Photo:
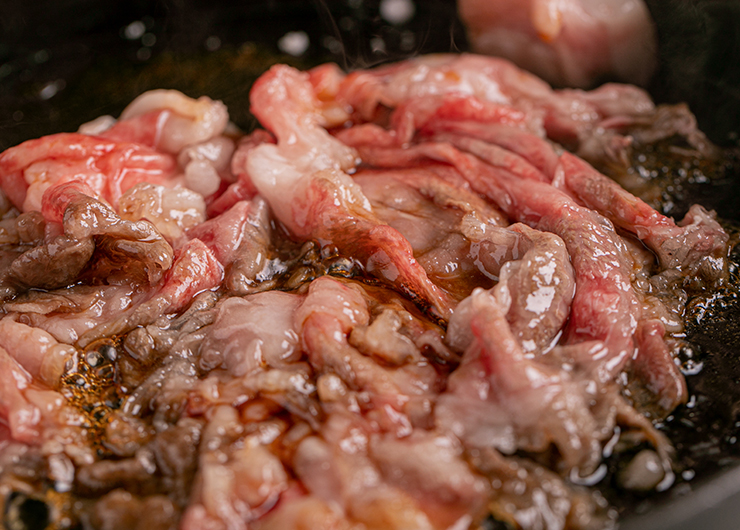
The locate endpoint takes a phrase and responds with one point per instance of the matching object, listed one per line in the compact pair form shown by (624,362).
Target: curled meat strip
(36,350)
(539,285)
(207,165)
(31,365)
(24,407)
(77,226)
(303,180)
(170,122)
(239,479)
(430,466)
(240,239)
(499,398)
(193,270)
(242,188)
(568,116)
(426,112)
(359,478)
(69,312)
(352,481)
(252,333)
(132,244)
(697,244)
(327,316)
(654,367)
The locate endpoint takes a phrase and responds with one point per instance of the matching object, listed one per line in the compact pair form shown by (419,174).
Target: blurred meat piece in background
(680,50)
(566,42)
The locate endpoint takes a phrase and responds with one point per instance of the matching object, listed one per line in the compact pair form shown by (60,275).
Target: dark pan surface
(66,62)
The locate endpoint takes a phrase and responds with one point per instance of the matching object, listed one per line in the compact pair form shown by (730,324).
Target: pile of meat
(407,303)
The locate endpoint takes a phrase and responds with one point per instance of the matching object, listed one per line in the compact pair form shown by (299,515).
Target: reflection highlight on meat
(410,302)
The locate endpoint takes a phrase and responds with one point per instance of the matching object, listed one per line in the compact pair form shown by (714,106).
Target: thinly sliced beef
(588,320)
(698,243)
(167,120)
(240,240)
(498,398)
(540,286)
(302,179)
(52,265)
(69,312)
(430,467)
(402,306)
(37,351)
(173,334)
(329,313)
(455,237)
(135,245)
(433,214)
(568,408)
(533,497)
(598,124)
(79,226)
(238,479)
(567,115)
(304,513)
(424,113)
(337,469)
(604,308)
(109,168)
(207,165)
(18,233)
(8,286)
(537,151)
(23,229)
(655,368)
(251,333)
(193,270)
(33,413)
(172,211)
(494,156)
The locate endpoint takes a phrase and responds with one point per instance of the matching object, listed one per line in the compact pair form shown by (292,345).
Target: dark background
(77,47)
